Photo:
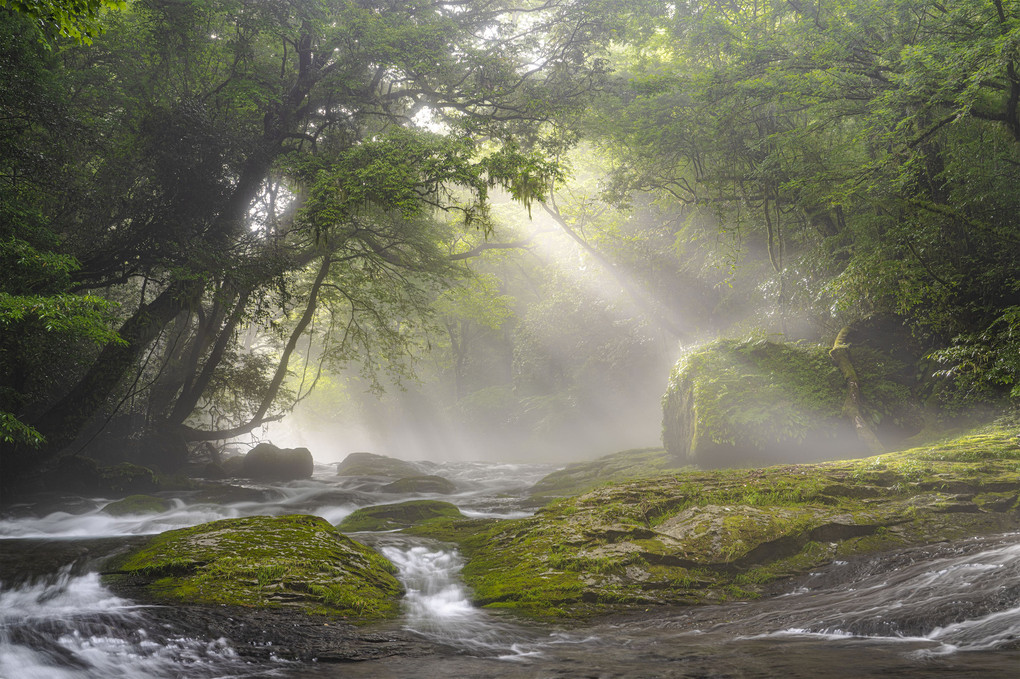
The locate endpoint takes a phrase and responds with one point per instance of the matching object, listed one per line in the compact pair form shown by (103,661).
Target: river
(949,610)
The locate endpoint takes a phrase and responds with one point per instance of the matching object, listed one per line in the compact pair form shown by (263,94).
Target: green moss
(400,515)
(696,536)
(266,561)
(138,504)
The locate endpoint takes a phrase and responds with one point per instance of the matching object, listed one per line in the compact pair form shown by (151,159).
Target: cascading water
(71,627)
(437,605)
(964,602)
(951,610)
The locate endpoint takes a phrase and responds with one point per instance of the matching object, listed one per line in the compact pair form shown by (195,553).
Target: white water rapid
(71,627)
(438,608)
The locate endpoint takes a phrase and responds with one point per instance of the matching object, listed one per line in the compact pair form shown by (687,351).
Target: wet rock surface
(265,634)
(421,484)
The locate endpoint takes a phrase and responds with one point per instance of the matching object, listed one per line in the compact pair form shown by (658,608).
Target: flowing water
(951,610)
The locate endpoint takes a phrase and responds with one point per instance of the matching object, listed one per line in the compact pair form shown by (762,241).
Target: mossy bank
(292,561)
(709,536)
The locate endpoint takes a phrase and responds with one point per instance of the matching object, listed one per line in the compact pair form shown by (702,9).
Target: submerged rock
(294,561)
(138,504)
(708,536)
(400,515)
(268,462)
(421,484)
(370,464)
(733,403)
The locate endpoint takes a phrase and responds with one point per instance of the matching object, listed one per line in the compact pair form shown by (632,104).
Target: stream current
(950,610)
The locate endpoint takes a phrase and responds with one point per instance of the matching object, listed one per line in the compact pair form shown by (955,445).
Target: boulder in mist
(737,403)
(271,463)
(370,464)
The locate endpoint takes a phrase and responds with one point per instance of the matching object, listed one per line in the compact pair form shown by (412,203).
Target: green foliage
(982,366)
(79,20)
(865,151)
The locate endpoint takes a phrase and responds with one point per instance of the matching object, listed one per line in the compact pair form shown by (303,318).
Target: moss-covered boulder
(138,504)
(370,464)
(421,484)
(738,403)
(623,466)
(709,536)
(400,515)
(272,463)
(292,561)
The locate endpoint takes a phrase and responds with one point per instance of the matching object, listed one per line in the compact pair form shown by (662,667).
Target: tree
(233,152)
(78,20)
(868,150)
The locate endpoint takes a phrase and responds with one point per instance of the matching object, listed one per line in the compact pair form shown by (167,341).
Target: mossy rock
(741,403)
(421,484)
(138,504)
(400,515)
(370,464)
(292,561)
(623,466)
(709,536)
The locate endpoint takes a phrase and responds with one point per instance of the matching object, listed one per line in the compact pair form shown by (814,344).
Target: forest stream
(952,609)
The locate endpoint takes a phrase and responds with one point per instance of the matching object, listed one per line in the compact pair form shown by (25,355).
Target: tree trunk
(840,354)
(259,417)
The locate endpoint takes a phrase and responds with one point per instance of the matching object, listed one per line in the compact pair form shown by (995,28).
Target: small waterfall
(71,627)
(438,608)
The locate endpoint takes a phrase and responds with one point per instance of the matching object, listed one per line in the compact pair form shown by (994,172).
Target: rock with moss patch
(288,561)
(708,536)
(138,504)
(370,464)
(734,403)
(272,463)
(400,515)
(421,484)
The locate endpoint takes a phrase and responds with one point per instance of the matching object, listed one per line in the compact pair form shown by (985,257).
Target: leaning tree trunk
(852,406)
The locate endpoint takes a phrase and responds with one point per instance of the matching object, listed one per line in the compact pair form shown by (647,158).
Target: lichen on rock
(292,561)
